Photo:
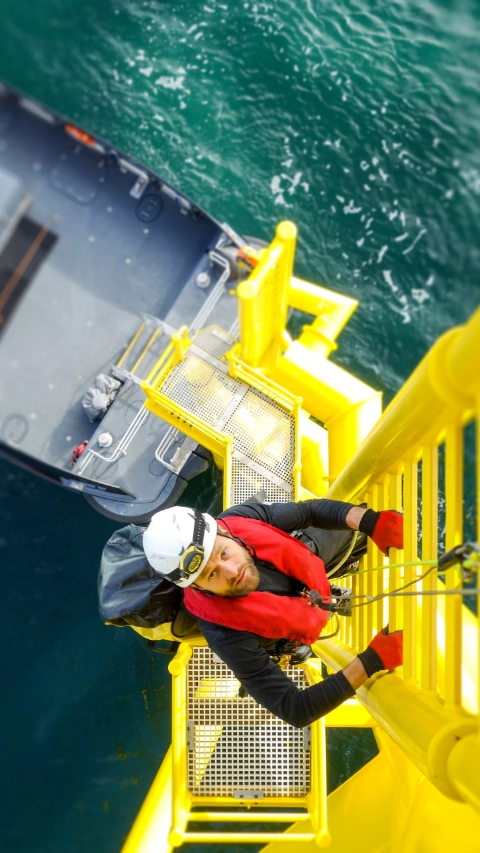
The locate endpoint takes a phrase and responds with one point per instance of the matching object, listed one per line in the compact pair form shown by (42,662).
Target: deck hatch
(25,252)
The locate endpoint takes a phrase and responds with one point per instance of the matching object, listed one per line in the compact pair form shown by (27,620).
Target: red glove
(384,528)
(384,652)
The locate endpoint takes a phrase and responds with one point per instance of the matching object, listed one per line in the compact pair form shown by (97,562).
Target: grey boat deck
(116,256)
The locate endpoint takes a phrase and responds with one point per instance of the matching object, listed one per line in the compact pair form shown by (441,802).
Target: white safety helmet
(178,543)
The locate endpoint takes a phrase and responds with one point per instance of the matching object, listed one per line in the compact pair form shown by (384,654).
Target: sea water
(358,120)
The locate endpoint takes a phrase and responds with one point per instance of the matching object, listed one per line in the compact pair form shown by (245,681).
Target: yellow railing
(218,441)
(413,460)
(184,803)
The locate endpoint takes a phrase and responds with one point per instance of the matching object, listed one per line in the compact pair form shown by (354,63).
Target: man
(251,582)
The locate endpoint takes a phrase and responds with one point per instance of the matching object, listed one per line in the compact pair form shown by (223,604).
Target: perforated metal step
(236,747)
(263,433)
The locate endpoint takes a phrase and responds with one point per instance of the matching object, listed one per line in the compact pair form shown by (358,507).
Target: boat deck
(84,252)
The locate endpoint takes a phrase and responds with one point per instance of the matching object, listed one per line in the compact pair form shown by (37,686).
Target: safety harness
(300,619)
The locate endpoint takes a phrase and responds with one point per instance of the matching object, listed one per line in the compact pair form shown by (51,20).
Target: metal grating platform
(263,432)
(236,747)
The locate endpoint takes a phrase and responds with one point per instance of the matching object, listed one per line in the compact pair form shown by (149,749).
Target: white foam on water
(387,274)
(417,238)
(420,295)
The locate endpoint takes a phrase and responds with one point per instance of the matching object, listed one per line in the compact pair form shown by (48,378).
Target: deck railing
(263,299)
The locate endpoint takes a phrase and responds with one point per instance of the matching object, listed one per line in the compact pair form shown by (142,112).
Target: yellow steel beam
(149,833)
(429,552)
(453,579)
(418,722)
(418,409)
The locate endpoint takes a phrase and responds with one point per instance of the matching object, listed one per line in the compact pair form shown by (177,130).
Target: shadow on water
(86,708)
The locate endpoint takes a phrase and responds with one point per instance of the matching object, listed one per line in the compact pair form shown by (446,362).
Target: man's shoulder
(249,509)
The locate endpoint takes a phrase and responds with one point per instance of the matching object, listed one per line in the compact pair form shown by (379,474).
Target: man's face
(229,571)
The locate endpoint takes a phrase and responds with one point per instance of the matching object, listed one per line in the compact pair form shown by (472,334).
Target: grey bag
(130,592)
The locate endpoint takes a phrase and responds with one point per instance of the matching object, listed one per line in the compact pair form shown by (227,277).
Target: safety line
(399,594)
(394,566)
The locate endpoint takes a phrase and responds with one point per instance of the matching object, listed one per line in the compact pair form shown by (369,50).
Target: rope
(400,591)
(395,566)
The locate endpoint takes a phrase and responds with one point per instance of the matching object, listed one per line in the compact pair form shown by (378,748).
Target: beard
(250,581)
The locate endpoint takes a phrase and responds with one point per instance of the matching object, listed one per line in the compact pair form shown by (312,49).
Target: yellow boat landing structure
(251,403)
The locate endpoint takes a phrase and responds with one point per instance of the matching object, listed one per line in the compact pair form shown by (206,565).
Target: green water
(359,121)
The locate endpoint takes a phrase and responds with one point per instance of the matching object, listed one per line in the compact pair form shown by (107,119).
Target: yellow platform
(422,792)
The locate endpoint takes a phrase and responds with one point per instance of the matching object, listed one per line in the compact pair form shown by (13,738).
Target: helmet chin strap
(240,541)
(192,556)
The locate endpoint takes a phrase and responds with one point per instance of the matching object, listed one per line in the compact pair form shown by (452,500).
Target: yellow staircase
(422,792)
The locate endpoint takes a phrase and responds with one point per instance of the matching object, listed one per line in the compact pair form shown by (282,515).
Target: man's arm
(385,527)
(270,687)
(290,516)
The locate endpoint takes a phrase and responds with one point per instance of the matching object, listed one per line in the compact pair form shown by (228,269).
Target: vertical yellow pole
(297,466)
(370,582)
(246,314)
(318,793)
(227,472)
(429,552)
(478,536)
(395,609)
(380,617)
(180,342)
(361,613)
(410,500)
(454,536)
(286,234)
(180,797)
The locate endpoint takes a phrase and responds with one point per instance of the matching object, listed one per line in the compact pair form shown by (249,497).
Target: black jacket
(245,654)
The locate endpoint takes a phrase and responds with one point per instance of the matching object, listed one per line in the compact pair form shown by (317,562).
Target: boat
(101,261)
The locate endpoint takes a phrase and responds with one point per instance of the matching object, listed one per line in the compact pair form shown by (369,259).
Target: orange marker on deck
(79,134)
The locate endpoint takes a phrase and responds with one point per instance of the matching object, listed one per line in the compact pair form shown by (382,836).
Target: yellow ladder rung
(249,817)
(131,344)
(240,837)
(145,350)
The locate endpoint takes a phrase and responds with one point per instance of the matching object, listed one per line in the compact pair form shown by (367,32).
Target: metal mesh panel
(200,388)
(263,433)
(214,341)
(266,304)
(246,482)
(236,747)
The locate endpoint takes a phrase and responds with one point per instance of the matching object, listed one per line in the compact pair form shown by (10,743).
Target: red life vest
(264,613)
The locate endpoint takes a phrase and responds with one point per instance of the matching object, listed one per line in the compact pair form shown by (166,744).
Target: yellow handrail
(431,711)
(263,299)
